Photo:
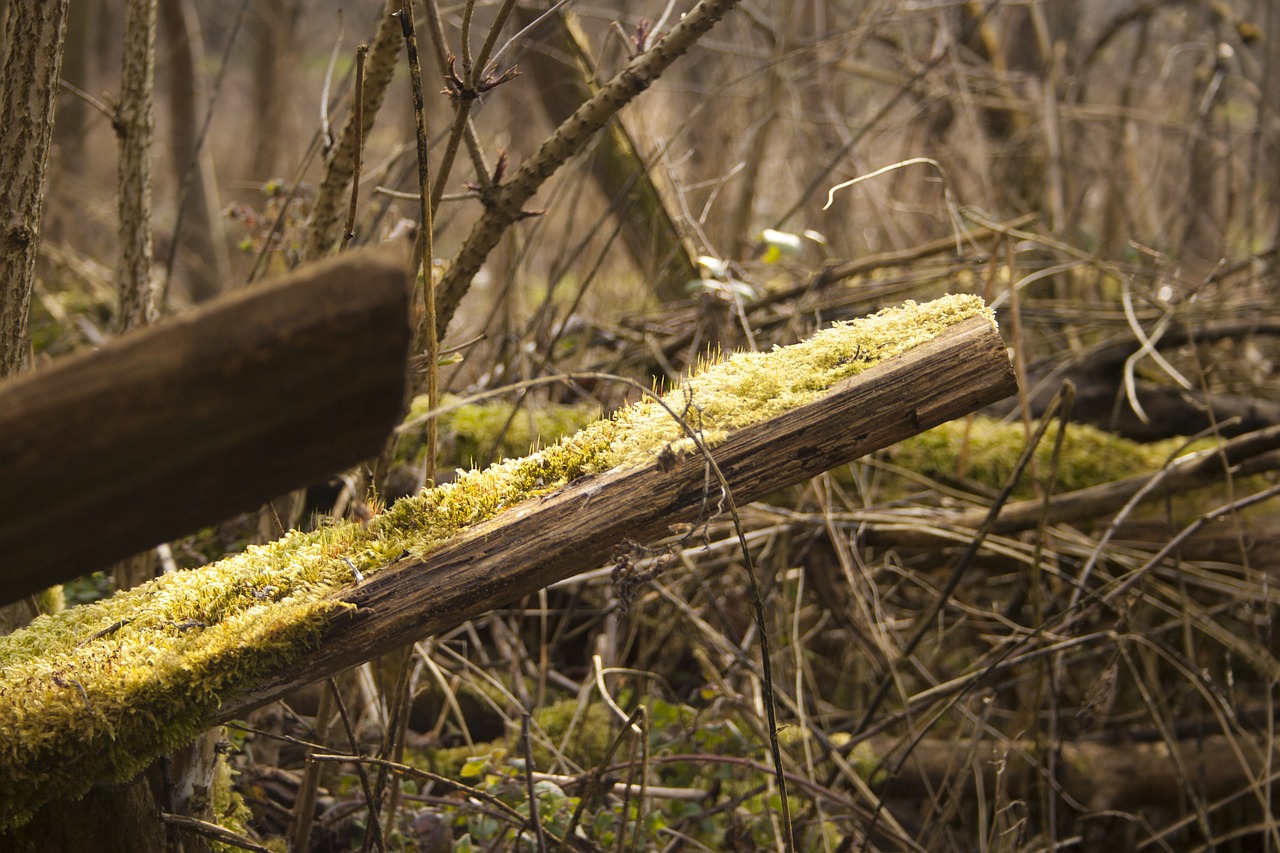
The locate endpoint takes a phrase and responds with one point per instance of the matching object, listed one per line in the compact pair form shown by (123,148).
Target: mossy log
(214,412)
(576,528)
(92,694)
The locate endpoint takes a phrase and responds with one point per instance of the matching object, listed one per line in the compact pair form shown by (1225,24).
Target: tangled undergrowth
(1091,665)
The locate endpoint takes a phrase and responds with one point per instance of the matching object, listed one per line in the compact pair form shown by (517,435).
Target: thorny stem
(429,337)
(468,70)
(486,49)
(349,230)
(568,140)
(440,43)
(462,115)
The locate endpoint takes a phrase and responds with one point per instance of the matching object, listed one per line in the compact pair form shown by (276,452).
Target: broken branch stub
(187,422)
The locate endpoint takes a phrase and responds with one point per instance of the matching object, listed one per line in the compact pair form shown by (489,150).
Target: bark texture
(575,529)
(33,37)
(326,216)
(135,124)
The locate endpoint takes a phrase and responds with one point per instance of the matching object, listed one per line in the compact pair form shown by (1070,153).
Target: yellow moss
(752,387)
(990,449)
(498,428)
(229,807)
(94,693)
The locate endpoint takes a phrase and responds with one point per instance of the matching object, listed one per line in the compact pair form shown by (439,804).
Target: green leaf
(474,766)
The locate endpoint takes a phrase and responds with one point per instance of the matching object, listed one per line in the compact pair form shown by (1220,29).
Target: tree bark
(487,564)
(135,126)
(33,38)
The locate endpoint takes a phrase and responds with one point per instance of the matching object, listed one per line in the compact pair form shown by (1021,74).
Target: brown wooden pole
(108,453)
(547,539)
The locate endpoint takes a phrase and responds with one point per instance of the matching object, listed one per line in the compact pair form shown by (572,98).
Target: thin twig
(325,129)
(348,230)
(464,40)
(573,133)
(305,802)
(88,99)
(925,620)
(428,332)
(375,821)
(535,818)
(211,831)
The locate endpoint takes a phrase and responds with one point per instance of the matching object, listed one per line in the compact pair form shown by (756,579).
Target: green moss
(592,734)
(989,449)
(496,428)
(230,809)
(94,693)
(752,387)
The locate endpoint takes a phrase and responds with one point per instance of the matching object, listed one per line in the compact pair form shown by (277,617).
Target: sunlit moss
(232,811)
(95,693)
(752,387)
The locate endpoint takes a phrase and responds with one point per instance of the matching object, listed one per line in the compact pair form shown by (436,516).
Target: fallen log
(187,422)
(94,694)
(1100,777)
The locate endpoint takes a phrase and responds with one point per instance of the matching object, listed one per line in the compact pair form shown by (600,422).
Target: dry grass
(1081,685)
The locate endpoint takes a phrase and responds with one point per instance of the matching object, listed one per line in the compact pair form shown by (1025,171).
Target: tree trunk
(202,250)
(275,25)
(135,125)
(33,36)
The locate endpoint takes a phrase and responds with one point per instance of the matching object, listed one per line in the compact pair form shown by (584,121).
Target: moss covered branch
(94,693)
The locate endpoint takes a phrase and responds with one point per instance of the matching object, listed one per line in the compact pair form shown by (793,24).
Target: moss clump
(989,449)
(497,429)
(752,387)
(95,693)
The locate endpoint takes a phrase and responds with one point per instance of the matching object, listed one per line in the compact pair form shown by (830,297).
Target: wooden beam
(214,412)
(547,539)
